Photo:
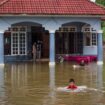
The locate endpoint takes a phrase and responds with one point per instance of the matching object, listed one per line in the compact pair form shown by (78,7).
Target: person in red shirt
(72,84)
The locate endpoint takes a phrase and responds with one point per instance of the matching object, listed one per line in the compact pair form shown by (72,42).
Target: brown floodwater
(36,83)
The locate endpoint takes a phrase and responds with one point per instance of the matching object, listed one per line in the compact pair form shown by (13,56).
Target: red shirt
(72,87)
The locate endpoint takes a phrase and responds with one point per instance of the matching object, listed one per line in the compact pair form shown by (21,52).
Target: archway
(19,38)
(75,38)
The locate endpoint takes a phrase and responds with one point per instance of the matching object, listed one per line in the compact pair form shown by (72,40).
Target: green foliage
(102,2)
(104,34)
(103,28)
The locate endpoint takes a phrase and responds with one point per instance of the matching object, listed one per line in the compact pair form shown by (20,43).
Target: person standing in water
(34,51)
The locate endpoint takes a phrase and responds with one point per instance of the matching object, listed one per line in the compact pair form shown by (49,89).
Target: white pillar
(52,48)
(99,48)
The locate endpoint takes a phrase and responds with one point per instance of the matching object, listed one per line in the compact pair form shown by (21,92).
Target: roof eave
(53,15)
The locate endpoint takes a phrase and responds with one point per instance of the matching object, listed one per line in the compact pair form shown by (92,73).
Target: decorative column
(1,48)
(52,48)
(99,48)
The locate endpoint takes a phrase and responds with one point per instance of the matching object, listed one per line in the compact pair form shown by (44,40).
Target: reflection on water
(36,83)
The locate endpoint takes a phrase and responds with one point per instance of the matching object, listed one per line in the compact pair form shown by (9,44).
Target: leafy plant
(102,2)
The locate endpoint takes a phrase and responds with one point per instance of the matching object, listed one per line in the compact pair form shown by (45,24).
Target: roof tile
(50,7)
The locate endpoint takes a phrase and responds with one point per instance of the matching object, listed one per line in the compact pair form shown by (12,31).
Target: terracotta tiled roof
(50,7)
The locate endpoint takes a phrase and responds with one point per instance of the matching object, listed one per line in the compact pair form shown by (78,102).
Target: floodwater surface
(36,83)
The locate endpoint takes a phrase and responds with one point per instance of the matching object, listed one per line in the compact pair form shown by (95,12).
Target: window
(14,43)
(7,42)
(90,39)
(68,29)
(87,39)
(18,42)
(23,29)
(87,29)
(72,29)
(65,29)
(15,29)
(22,43)
(94,39)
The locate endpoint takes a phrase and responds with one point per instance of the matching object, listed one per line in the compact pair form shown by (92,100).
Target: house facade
(66,27)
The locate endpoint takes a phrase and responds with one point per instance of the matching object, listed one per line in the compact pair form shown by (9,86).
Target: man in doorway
(39,45)
(34,51)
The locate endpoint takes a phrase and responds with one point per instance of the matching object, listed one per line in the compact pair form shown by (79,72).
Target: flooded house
(63,27)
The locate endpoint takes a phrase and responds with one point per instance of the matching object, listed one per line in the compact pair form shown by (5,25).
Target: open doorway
(41,37)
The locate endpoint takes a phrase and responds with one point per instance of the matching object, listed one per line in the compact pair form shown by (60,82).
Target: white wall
(90,50)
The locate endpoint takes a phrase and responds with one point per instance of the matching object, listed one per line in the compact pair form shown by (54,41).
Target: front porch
(67,38)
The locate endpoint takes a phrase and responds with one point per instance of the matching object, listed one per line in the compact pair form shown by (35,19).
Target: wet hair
(71,80)
(82,63)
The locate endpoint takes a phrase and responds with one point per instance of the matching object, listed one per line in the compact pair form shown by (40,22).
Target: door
(75,43)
